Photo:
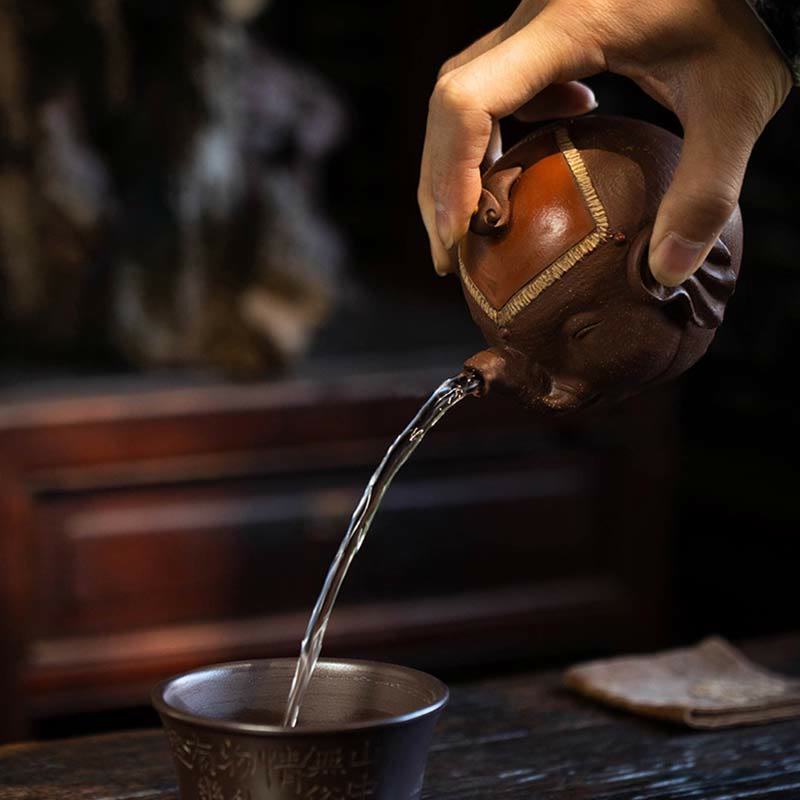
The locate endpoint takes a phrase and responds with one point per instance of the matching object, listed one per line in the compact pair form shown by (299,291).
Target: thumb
(703,195)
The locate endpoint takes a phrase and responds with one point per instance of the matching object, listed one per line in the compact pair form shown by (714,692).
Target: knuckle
(580,38)
(449,95)
(720,202)
(713,205)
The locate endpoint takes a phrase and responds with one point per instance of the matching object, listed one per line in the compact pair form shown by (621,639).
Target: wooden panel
(463,630)
(128,559)
(161,529)
(15,604)
(47,432)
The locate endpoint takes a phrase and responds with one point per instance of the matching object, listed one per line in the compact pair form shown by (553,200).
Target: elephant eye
(584,328)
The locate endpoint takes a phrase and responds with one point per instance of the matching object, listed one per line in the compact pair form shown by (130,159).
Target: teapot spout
(491,368)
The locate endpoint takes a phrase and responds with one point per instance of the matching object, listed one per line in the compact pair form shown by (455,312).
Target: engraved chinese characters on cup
(313,772)
(304,769)
(368,739)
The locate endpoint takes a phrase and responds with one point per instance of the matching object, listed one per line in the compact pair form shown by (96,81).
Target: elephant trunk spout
(490,367)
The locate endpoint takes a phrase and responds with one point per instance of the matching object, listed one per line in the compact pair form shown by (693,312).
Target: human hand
(710,61)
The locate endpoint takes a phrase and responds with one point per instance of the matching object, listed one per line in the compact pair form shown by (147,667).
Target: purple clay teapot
(554,267)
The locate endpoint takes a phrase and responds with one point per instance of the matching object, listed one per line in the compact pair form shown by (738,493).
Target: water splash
(451,392)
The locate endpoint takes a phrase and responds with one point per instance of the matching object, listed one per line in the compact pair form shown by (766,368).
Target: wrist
(781,20)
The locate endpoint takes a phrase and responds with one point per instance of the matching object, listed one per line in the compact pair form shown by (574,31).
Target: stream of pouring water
(451,392)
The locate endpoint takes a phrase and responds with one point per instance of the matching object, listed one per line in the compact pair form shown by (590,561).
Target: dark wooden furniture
(149,525)
(517,737)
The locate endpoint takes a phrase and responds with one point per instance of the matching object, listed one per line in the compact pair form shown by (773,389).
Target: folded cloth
(710,685)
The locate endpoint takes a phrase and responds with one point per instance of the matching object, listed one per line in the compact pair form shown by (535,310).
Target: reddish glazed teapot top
(554,267)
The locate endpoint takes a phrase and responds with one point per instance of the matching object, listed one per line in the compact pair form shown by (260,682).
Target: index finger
(491,86)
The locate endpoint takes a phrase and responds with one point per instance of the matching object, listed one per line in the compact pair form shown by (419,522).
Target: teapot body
(554,268)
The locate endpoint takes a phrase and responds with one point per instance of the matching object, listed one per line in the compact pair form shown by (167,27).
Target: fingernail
(443,226)
(591,100)
(675,259)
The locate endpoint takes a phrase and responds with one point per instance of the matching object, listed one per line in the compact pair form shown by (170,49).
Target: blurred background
(217,309)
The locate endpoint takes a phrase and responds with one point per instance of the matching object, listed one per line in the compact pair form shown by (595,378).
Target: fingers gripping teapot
(554,267)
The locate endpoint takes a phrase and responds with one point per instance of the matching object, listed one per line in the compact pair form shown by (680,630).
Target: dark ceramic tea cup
(364,731)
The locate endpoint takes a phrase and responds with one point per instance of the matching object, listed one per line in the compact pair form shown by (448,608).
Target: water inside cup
(342,693)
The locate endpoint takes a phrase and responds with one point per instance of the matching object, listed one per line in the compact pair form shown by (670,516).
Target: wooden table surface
(517,737)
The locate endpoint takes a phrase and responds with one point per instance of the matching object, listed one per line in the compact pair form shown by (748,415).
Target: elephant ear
(700,299)
(494,207)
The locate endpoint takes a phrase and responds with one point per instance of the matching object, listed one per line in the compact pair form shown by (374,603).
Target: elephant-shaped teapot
(554,267)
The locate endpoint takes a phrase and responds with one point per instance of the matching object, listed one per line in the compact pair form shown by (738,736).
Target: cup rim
(157,698)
